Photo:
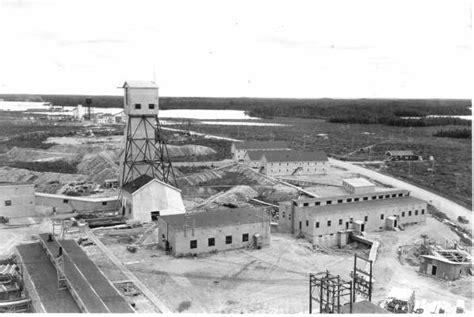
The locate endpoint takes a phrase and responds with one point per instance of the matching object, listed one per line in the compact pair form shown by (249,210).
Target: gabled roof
(399,153)
(216,218)
(137,183)
(139,84)
(255,155)
(256,145)
(295,156)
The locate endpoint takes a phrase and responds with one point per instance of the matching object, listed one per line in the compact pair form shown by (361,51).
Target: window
(340,221)
(409,212)
(331,234)
(366,198)
(138,106)
(307,223)
(381,216)
(317,203)
(366,218)
(193,244)
(387,196)
(228,239)
(289,216)
(339,201)
(245,237)
(416,212)
(328,202)
(400,195)
(381,197)
(394,195)
(329,223)
(407,194)
(306,204)
(151,106)
(374,197)
(8,202)
(211,242)
(295,203)
(283,214)
(403,214)
(317,224)
(351,220)
(422,211)
(349,200)
(356,199)
(104,203)
(65,201)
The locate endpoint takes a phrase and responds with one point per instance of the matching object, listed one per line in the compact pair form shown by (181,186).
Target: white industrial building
(69,204)
(239,149)
(146,198)
(283,163)
(17,199)
(328,218)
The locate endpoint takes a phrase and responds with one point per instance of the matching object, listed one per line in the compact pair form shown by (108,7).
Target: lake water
(200,114)
(440,116)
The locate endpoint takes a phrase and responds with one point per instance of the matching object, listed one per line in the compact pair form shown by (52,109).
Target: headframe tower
(145,151)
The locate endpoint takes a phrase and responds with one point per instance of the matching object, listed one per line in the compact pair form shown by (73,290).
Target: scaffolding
(330,291)
(362,278)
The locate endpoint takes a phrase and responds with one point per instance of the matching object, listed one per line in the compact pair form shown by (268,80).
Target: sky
(284,49)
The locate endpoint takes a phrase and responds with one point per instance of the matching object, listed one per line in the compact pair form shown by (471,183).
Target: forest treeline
(384,111)
(454,133)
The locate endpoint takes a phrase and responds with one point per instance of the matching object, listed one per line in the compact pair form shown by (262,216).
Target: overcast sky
(296,49)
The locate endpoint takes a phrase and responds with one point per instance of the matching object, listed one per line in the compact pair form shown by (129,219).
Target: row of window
(301,163)
(193,244)
(366,218)
(150,106)
(356,199)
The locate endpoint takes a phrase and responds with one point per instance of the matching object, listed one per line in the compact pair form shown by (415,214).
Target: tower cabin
(141,98)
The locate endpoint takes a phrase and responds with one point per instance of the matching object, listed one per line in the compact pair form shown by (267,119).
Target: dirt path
(390,272)
(450,208)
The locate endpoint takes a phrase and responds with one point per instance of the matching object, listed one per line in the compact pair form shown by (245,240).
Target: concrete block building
(283,163)
(146,198)
(327,219)
(17,199)
(216,230)
(239,149)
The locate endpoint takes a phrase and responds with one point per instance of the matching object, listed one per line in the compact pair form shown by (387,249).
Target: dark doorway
(300,225)
(155,215)
(395,224)
(434,268)
(347,224)
(362,227)
(123,210)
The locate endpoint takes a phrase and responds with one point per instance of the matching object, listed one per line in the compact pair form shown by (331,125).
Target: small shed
(441,267)
(402,156)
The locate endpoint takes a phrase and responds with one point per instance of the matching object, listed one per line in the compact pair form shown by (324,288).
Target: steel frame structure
(152,153)
(328,290)
(362,279)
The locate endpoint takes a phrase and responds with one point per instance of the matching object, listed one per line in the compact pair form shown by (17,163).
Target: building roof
(363,307)
(256,145)
(216,218)
(339,193)
(295,156)
(255,155)
(399,153)
(78,198)
(15,183)
(358,182)
(368,205)
(137,183)
(444,260)
(139,84)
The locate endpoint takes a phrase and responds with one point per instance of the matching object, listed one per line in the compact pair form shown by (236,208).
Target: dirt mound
(31,155)
(278,193)
(189,150)
(99,166)
(45,181)
(236,194)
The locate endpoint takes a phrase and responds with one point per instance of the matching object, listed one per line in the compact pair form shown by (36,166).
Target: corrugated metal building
(239,149)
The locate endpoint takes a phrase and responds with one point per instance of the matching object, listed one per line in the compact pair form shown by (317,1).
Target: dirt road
(451,209)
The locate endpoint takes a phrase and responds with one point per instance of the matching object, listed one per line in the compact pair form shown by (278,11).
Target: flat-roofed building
(17,199)
(216,230)
(283,163)
(239,149)
(358,185)
(322,219)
